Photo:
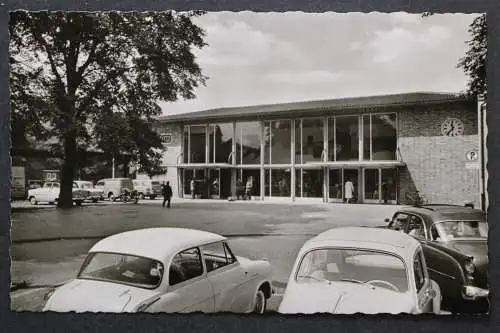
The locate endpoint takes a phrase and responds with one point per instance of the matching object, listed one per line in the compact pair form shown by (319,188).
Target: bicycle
(415,198)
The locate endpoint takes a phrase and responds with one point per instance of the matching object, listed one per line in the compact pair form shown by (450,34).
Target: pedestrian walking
(167,194)
(349,190)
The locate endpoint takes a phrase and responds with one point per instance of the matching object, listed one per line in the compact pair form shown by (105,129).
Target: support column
(325,159)
(293,154)
(234,176)
(262,156)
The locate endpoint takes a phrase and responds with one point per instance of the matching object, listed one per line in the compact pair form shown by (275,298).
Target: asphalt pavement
(49,244)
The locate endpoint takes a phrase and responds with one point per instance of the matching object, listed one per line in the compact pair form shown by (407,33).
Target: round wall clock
(452,127)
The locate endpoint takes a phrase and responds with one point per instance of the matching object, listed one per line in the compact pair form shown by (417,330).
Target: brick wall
(436,165)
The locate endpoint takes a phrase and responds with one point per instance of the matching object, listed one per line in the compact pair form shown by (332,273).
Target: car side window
(216,256)
(230,256)
(186,265)
(419,270)
(56,185)
(416,227)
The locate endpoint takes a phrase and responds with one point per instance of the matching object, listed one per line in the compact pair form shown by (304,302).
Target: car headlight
(470,268)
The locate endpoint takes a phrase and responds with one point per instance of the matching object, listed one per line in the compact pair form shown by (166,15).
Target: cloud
(305,78)
(258,58)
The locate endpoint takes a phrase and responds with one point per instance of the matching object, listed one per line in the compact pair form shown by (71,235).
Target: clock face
(452,127)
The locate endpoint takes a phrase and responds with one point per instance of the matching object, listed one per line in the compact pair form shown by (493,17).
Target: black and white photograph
(248,162)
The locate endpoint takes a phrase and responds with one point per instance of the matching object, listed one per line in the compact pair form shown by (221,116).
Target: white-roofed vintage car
(165,270)
(360,270)
(49,193)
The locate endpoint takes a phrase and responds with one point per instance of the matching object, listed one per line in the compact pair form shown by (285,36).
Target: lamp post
(113,167)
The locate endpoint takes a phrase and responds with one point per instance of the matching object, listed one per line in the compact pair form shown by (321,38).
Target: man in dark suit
(167,194)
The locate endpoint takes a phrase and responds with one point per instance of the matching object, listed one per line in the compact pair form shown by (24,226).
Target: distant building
(388,146)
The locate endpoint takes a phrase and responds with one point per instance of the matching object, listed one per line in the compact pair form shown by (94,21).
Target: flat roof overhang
(311,165)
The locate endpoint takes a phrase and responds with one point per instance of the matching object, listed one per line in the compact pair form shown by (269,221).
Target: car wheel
(78,202)
(33,201)
(141,196)
(95,200)
(111,197)
(152,197)
(260,302)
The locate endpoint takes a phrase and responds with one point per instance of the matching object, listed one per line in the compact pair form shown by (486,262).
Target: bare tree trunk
(68,171)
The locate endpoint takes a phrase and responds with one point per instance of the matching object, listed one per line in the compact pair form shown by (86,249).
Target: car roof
(444,212)
(366,238)
(155,243)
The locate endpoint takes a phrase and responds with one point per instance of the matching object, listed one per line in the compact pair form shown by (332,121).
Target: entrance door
(352,175)
(337,180)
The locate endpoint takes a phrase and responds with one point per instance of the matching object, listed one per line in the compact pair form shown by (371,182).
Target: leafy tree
(92,79)
(473,62)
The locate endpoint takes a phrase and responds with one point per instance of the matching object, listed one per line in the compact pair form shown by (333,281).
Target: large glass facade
(309,183)
(278,136)
(277,183)
(308,140)
(389,185)
(347,138)
(220,142)
(197,143)
(335,186)
(248,182)
(372,184)
(379,137)
(248,137)
(384,137)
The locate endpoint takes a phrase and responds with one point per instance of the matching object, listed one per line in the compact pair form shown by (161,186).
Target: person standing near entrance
(385,194)
(167,194)
(349,190)
(191,186)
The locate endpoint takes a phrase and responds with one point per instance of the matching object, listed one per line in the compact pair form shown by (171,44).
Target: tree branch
(41,40)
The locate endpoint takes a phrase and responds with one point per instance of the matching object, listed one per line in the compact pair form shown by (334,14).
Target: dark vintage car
(455,244)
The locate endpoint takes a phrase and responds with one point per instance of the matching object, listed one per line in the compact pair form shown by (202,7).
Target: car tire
(78,202)
(260,302)
(152,197)
(33,201)
(94,200)
(111,197)
(141,196)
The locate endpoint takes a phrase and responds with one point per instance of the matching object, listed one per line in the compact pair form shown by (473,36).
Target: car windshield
(447,230)
(86,185)
(353,266)
(122,268)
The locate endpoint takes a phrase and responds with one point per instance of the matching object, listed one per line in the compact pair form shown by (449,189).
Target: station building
(388,146)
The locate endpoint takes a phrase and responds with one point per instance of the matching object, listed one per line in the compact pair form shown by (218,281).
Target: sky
(265,58)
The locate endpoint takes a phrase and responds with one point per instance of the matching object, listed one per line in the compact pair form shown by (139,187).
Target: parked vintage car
(165,270)
(49,193)
(360,270)
(147,188)
(455,244)
(95,194)
(114,187)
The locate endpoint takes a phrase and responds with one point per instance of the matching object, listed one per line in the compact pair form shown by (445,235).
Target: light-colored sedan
(49,193)
(361,270)
(165,270)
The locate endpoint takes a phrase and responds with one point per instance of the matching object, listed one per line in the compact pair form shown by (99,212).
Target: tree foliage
(473,63)
(93,80)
